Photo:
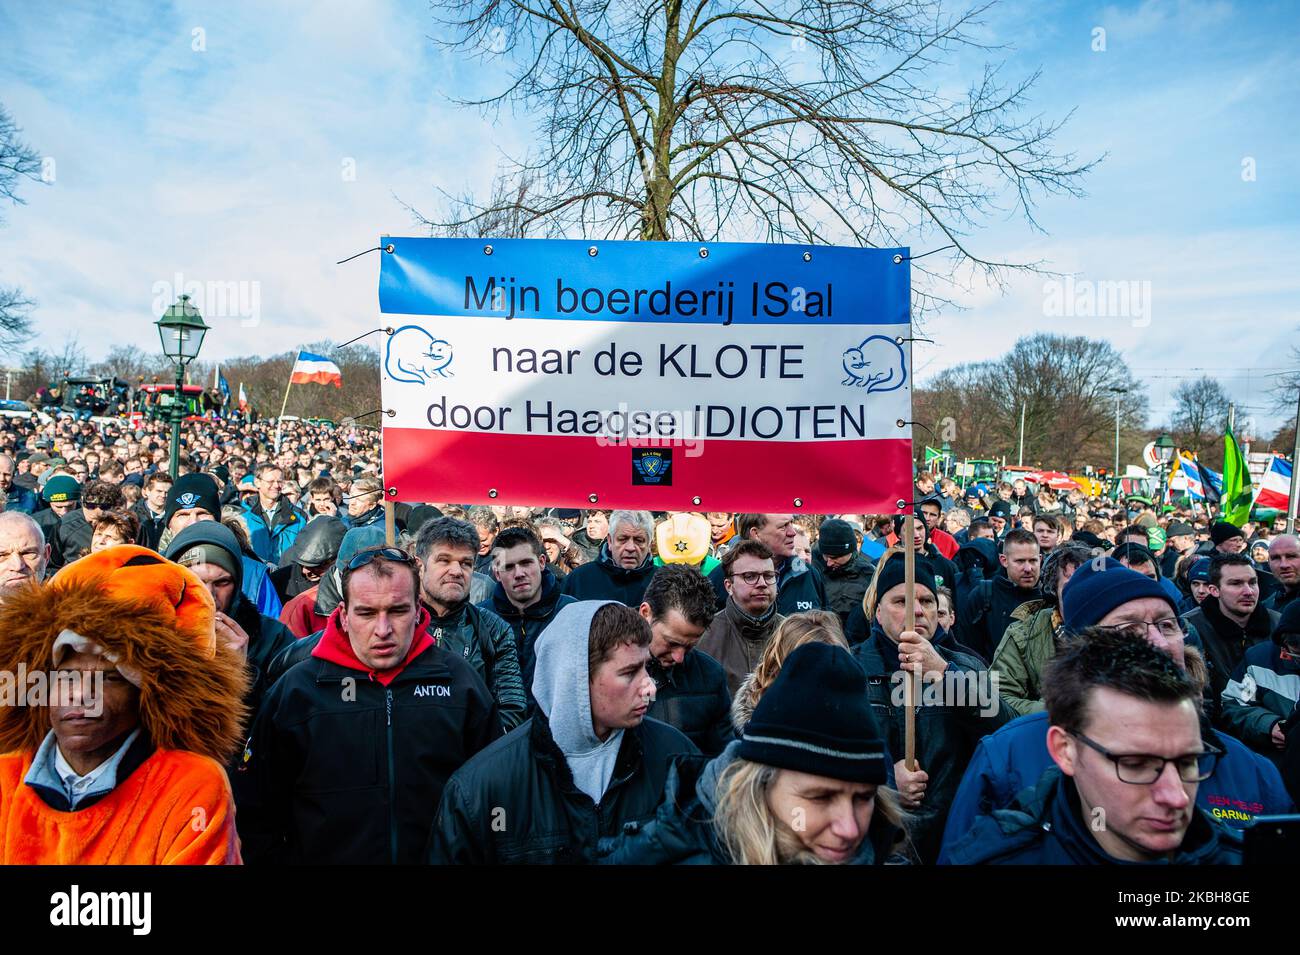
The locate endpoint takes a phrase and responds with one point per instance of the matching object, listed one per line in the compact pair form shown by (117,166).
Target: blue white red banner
(666,375)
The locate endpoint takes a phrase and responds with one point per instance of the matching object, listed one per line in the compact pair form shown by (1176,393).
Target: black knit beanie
(816,718)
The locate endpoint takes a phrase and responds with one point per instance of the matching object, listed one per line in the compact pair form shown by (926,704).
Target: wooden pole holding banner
(911,689)
(390,523)
(279,423)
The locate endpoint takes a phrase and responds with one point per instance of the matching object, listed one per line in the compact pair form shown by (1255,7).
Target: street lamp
(181,329)
(1118,391)
(1164,447)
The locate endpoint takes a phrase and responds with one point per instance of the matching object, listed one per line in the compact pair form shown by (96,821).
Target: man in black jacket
(691,686)
(446,548)
(623,569)
(527,595)
(152,509)
(798,586)
(1284,562)
(353,746)
(212,552)
(959,703)
(984,610)
(845,571)
(585,765)
(1229,621)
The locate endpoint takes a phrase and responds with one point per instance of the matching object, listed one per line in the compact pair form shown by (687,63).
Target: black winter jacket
(485,642)
(693,697)
(603,579)
(529,623)
(845,585)
(984,613)
(1225,643)
(351,772)
(516,802)
(946,736)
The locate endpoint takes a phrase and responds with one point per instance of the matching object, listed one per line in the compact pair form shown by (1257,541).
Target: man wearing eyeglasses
(738,635)
(1103,593)
(1125,738)
(799,586)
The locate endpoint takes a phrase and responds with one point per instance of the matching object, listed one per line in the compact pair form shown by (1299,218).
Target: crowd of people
(252,646)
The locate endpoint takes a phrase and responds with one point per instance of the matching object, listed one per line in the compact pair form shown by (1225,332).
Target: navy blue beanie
(1200,570)
(816,718)
(1099,586)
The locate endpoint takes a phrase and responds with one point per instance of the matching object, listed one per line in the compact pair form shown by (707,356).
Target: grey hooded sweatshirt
(561,685)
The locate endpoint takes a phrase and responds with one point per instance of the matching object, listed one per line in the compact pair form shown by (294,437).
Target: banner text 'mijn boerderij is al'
(655,375)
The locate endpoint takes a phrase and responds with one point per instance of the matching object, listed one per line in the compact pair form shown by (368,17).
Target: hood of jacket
(192,687)
(538,610)
(335,647)
(319,541)
(982,552)
(561,686)
(216,535)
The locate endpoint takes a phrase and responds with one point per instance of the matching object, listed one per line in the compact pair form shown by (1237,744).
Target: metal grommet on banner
(696,500)
(898,259)
(900,504)
(390,248)
(798,502)
(592,498)
(807,256)
(492,492)
(392,492)
(391,412)
(487,250)
(901,423)
(591,250)
(704,253)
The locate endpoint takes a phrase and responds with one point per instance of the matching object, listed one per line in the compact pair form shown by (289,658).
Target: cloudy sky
(258,143)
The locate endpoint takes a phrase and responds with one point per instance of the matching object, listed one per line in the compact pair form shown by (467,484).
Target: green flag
(931,455)
(1236,483)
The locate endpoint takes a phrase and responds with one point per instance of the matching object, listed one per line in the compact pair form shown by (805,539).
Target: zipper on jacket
(392,780)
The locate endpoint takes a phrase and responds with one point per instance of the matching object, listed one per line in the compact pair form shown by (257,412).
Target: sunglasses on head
(361,558)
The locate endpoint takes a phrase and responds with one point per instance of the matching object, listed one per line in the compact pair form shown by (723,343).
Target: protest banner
(664,375)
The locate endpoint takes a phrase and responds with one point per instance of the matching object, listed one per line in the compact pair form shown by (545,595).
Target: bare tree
(18,161)
(1062,383)
(806,120)
(1200,413)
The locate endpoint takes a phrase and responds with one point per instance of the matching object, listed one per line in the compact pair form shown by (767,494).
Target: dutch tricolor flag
(315,369)
(1275,487)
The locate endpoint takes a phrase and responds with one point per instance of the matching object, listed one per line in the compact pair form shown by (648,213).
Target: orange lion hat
(153,619)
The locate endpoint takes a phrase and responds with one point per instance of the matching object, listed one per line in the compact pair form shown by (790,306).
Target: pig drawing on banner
(415,356)
(877,364)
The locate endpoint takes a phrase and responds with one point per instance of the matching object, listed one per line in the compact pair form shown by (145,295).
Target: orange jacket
(175,809)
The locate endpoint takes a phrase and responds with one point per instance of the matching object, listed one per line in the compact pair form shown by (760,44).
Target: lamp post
(181,329)
(1165,455)
(1115,476)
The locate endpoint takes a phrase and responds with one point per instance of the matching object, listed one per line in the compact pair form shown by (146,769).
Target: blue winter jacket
(1044,826)
(1011,759)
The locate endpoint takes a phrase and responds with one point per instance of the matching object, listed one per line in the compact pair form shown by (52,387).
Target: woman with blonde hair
(812,626)
(805,783)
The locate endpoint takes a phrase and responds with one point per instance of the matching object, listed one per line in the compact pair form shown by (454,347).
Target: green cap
(61,488)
